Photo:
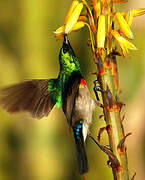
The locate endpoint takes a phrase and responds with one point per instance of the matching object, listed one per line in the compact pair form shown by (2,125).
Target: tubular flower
(78,25)
(71,9)
(120,1)
(124,44)
(138,12)
(73,18)
(71,21)
(132,13)
(101,32)
(129,18)
(124,27)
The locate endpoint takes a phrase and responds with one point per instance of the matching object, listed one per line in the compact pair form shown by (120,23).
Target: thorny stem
(115,132)
(108,83)
(112,108)
(104,35)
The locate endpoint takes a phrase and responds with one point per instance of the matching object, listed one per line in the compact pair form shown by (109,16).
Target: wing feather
(70,94)
(32,96)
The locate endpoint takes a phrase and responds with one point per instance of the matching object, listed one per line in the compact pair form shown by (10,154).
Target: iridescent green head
(67,58)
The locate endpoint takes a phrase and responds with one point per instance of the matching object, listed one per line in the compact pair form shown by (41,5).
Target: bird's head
(67,57)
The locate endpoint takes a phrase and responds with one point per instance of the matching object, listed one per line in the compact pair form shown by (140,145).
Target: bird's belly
(84,107)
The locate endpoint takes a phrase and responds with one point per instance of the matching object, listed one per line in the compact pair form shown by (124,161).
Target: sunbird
(69,91)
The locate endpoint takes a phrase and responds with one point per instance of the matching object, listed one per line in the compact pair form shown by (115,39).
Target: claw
(95,90)
(113,161)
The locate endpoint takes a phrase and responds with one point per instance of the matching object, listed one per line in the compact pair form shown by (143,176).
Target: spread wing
(70,94)
(32,96)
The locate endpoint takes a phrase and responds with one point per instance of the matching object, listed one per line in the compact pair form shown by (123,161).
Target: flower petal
(101,32)
(78,25)
(60,30)
(129,18)
(71,9)
(73,18)
(123,43)
(124,27)
(82,18)
(138,12)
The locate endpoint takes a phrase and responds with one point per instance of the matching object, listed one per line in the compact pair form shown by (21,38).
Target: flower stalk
(107,42)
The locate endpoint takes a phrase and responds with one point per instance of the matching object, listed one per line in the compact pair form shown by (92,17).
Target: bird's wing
(32,96)
(70,94)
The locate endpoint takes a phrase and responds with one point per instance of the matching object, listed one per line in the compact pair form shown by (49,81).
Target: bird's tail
(80,146)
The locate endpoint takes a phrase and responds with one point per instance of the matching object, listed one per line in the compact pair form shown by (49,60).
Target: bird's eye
(65,50)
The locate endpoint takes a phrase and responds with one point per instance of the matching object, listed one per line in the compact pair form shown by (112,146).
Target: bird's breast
(84,104)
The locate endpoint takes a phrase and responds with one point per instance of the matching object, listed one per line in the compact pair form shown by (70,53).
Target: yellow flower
(73,18)
(101,31)
(120,1)
(133,13)
(124,27)
(129,18)
(72,22)
(78,25)
(71,9)
(138,12)
(124,44)
(60,30)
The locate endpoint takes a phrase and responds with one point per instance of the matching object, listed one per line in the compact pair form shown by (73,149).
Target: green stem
(115,130)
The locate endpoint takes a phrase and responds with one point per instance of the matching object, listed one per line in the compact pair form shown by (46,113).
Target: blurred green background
(44,149)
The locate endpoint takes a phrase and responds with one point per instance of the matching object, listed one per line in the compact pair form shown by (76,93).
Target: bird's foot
(97,89)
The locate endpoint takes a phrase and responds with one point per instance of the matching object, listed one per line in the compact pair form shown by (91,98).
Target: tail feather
(80,146)
(32,96)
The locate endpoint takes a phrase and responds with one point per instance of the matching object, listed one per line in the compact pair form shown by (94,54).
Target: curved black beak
(65,41)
